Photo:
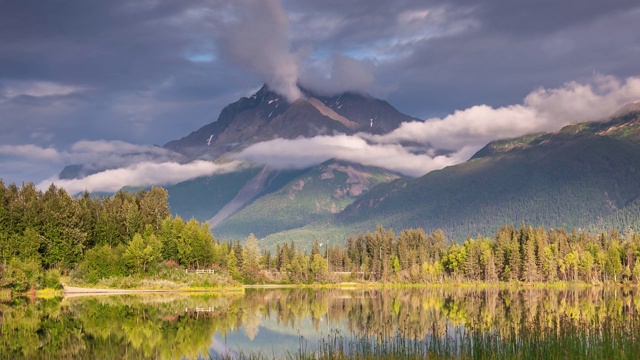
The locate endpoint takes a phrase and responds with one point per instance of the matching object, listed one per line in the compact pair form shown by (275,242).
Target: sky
(102,82)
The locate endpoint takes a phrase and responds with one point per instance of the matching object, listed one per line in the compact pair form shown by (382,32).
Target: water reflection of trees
(112,327)
(183,326)
(416,313)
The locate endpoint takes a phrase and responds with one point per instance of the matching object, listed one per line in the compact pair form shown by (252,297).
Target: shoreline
(77,291)
(74,291)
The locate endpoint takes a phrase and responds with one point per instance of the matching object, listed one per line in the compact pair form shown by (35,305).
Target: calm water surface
(275,322)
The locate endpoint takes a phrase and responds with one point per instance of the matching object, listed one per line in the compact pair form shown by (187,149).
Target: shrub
(99,263)
(22,275)
(52,279)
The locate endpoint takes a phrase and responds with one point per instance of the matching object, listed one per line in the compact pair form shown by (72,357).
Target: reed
(608,340)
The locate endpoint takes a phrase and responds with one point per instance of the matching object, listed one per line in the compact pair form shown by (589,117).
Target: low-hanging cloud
(112,165)
(141,174)
(307,152)
(413,149)
(95,154)
(38,89)
(103,154)
(542,110)
(458,135)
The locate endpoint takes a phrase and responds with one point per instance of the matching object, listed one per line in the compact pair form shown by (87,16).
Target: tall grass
(609,340)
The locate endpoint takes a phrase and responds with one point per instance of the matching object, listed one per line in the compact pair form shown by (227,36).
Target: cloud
(90,150)
(307,152)
(340,74)
(155,70)
(458,135)
(100,155)
(542,110)
(98,148)
(255,35)
(39,89)
(31,152)
(141,174)
(94,155)
(111,165)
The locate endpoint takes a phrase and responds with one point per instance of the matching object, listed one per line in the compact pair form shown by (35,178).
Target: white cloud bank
(459,134)
(306,152)
(115,164)
(141,174)
(93,154)
(542,110)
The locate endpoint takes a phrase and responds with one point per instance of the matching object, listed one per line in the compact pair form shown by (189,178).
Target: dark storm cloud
(130,62)
(436,56)
(507,65)
(531,18)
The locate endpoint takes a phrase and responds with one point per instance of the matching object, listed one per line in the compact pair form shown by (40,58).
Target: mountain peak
(628,109)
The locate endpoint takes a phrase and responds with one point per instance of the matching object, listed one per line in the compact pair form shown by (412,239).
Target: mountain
(586,176)
(266,116)
(252,192)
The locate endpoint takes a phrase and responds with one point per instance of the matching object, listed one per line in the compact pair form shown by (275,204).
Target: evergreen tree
(251,259)
(528,248)
(232,264)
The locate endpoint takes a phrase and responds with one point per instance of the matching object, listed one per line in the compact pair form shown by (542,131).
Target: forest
(132,240)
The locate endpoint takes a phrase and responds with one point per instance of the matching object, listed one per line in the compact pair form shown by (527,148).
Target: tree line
(523,253)
(47,234)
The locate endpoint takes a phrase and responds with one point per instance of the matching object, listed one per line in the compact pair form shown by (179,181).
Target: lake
(595,322)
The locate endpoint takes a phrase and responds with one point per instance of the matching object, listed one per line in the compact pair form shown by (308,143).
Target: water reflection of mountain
(272,321)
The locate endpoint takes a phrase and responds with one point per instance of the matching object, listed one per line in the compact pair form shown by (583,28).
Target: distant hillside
(584,176)
(315,195)
(201,197)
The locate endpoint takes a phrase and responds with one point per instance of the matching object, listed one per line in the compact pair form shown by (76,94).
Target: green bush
(100,263)
(52,279)
(22,275)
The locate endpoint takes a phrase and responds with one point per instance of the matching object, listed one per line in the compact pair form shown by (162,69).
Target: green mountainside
(314,196)
(585,176)
(201,197)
